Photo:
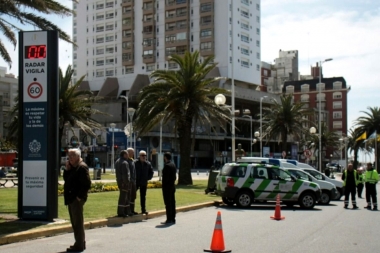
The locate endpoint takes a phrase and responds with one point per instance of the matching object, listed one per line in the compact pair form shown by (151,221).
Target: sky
(346,30)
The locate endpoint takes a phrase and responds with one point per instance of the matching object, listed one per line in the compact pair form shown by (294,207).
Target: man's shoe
(168,222)
(368,207)
(374,209)
(135,213)
(84,245)
(144,212)
(355,207)
(345,206)
(74,249)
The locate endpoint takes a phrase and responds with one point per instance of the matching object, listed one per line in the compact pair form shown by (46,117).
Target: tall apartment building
(124,40)
(285,68)
(120,42)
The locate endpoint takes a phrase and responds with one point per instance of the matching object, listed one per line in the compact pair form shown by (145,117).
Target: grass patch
(99,205)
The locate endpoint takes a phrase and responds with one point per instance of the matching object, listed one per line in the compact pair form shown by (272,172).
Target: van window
(260,172)
(276,174)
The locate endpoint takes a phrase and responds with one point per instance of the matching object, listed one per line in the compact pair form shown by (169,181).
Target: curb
(112,221)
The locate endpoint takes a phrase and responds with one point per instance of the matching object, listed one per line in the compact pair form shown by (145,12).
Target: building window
(99,51)
(99,62)
(109,38)
(337,85)
(305,88)
(109,72)
(320,86)
(109,4)
(305,98)
(172,65)
(244,13)
(258,7)
(129,70)
(150,67)
(258,55)
(246,2)
(109,15)
(258,19)
(99,17)
(100,28)
(337,115)
(206,46)
(127,57)
(206,33)
(244,38)
(99,73)
(99,6)
(148,42)
(148,53)
(258,43)
(127,33)
(337,124)
(290,89)
(109,50)
(244,50)
(206,20)
(337,95)
(244,63)
(337,105)
(258,31)
(206,7)
(244,25)
(258,67)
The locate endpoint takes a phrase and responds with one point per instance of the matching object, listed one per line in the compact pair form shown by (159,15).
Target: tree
(74,107)
(27,12)
(181,96)
(370,123)
(355,145)
(283,119)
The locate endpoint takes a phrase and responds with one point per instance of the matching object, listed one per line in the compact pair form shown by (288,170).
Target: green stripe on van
(296,186)
(261,187)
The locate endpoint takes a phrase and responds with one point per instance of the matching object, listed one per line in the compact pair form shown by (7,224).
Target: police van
(242,183)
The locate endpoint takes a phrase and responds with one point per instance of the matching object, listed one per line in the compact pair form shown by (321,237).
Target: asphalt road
(324,229)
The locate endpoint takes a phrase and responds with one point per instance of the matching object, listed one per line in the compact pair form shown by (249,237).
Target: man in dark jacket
(77,183)
(132,188)
(169,175)
(144,172)
(123,179)
(350,180)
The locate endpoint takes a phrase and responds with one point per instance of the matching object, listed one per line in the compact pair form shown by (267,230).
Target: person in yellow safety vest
(360,184)
(371,179)
(350,181)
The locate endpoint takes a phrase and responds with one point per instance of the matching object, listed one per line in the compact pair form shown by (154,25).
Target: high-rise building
(285,68)
(8,92)
(124,40)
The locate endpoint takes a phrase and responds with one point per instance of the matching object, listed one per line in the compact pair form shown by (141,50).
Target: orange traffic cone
(217,242)
(277,212)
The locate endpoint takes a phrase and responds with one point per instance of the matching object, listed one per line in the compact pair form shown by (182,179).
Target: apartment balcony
(177,43)
(207,51)
(128,14)
(147,11)
(149,59)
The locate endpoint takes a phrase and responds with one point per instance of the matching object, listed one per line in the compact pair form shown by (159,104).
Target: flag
(362,137)
(372,136)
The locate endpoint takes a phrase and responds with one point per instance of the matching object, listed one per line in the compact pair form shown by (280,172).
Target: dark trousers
(77,222)
(142,197)
(123,203)
(132,196)
(169,200)
(360,190)
(347,191)
(370,192)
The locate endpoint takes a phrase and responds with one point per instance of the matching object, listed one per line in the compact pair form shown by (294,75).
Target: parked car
(329,190)
(242,183)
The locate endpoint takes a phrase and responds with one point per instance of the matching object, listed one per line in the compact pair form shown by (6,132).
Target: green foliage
(284,118)
(181,96)
(14,13)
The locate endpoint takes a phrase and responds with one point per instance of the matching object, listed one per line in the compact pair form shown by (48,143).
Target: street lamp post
(126,99)
(220,100)
(261,125)
(112,125)
(131,112)
(319,114)
(250,119)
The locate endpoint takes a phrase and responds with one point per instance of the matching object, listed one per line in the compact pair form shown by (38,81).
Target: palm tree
(355,145)
(181,96)
(283,119)
(370,123)
(74,108)
(27,12)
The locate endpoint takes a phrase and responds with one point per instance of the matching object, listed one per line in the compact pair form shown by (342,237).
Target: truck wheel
(325,198)
(228,202)
(244,199)
(307,200)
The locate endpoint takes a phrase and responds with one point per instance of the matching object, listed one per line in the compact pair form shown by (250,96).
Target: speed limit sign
(35,90)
